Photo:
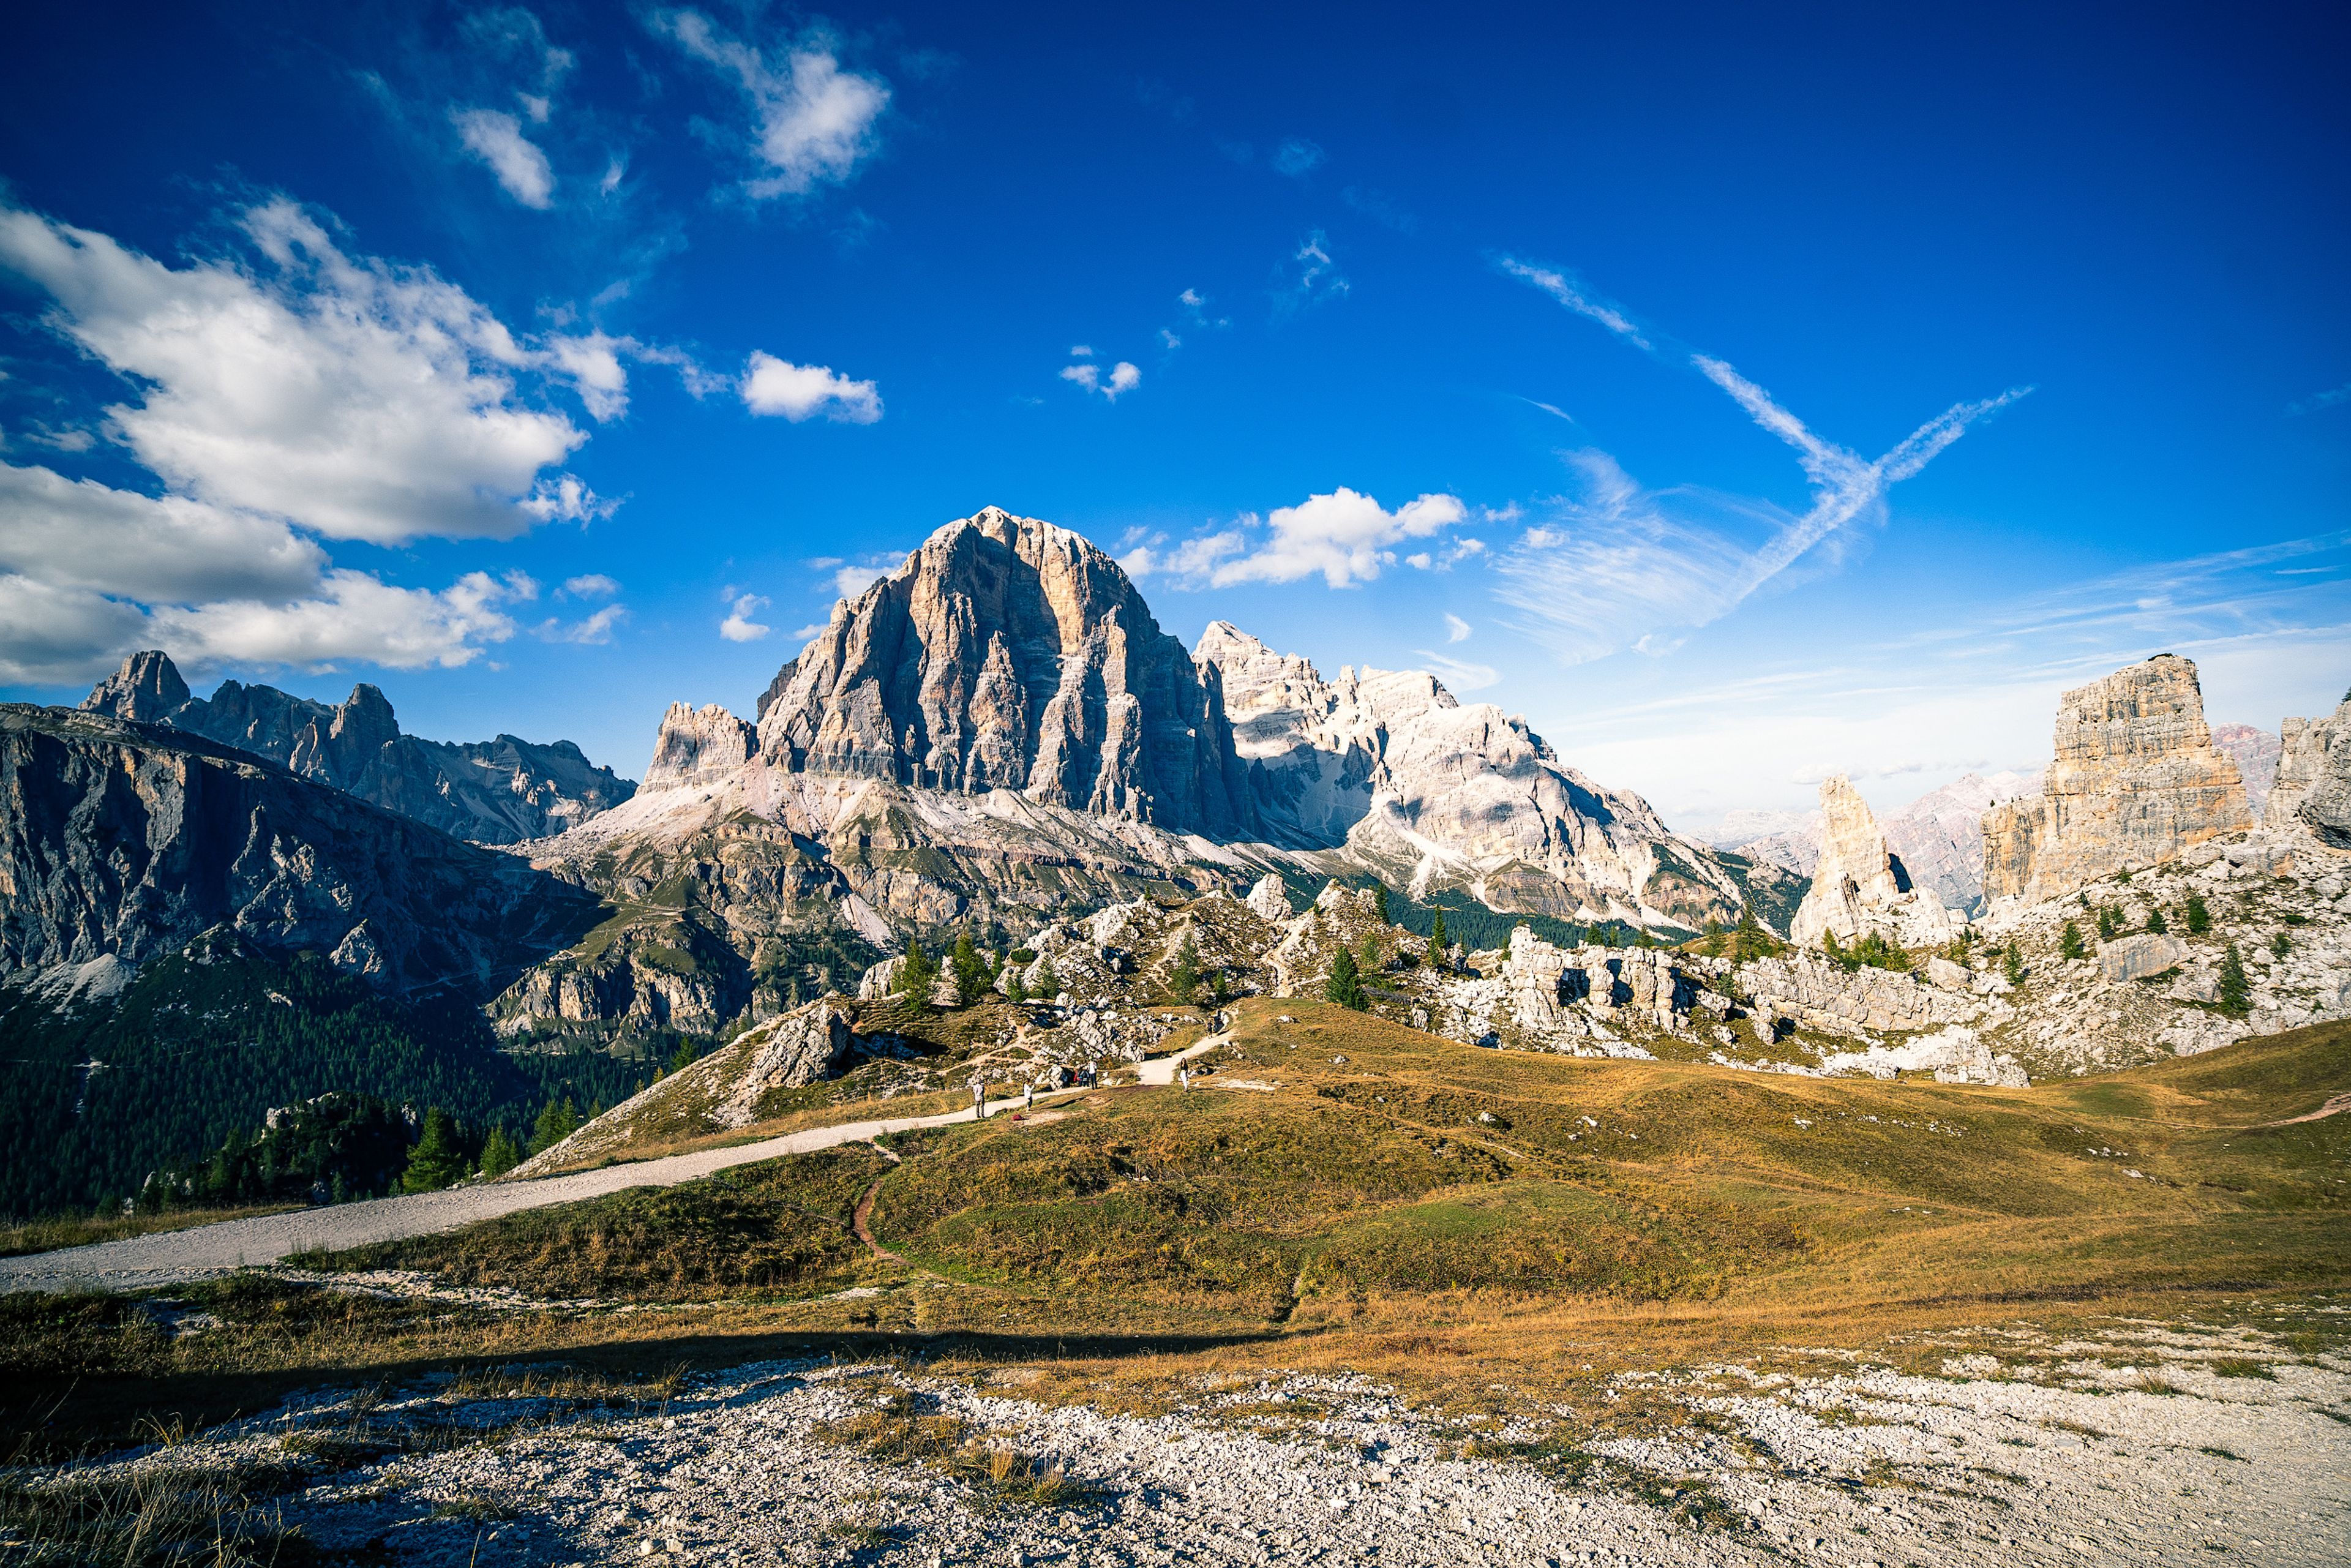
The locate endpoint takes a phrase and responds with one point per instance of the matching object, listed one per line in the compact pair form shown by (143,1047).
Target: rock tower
(2136,779)
(1859,887)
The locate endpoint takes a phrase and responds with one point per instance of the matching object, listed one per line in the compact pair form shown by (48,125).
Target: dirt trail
(172,1257)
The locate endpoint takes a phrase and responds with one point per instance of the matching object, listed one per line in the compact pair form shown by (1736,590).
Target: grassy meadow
(1399,1204)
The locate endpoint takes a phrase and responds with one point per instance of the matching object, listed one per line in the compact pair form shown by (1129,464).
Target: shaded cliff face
(1008,653)
(496,791)
(2136,779)
(129,839)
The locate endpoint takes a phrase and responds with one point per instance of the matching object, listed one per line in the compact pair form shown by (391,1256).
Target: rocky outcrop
(1861,889)
(1431,793)
(1802,990)
(2313,795)
(2138,957)
(495,791)
(2136,781)
(128,839)
(699,746)
(1007,654)
(1940,836)
(2256,751)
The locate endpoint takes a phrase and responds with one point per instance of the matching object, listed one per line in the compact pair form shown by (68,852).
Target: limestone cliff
(2313,793)
(1007,654)
(1859,887)
(495,791)
(2135,780)
(127,840)
(2256,751)
(1431,793)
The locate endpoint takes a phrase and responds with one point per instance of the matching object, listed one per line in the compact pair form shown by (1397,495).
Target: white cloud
(806,631)
(355,398)
(1316,277)
(594,585)
(772,385)
(1344,536)
(739,626)
(596,628)
(1121,378)
(1459,676)
(51,635)
(1570,293)
(1456,629)
(1081,351)
(1297,157)
(1196,310)
(497,138)
(83,535)
(2330,398)
(355,616)
(816,121)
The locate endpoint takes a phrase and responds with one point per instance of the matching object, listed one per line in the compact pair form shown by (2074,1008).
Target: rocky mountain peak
(698,745)
(2136,779)
(1008,653)
(147,687)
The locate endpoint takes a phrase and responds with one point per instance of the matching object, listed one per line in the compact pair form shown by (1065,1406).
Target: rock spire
(1859,887)
(2313,792)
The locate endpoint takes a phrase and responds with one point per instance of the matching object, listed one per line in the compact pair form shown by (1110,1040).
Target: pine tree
(1438,954)
(1049,984)
(1380,901)
(916,975)
(1183,973)
(2069,941)
(1748,940)
(1014,991)
(683,1057)
(2199,919)
(436,1160)
(1345,986)
(2236,993)
(2012,965)
(2156,924)
(499,1155)
(970,974)
(1713,944)
(558,1120)
(2108,926)
(2280,945)
(1369,959)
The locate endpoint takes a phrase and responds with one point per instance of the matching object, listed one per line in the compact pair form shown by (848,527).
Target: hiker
(1184,1076)
(1028,1098)
(979,1090)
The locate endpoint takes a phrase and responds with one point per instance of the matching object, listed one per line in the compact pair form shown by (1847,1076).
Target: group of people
(1060,1075)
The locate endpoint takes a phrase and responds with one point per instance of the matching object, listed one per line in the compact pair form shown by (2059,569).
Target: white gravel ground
(1846,1468)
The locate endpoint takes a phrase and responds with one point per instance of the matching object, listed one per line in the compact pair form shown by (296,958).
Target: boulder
(2137,958)
(1270,900)
(1955,976)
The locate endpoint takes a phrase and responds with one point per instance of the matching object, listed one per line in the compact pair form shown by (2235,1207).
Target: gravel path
(172,1257)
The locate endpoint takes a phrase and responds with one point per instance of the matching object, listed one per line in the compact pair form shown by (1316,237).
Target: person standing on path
(978,1091)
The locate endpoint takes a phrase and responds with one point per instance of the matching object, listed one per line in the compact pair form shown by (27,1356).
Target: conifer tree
(1049,984)
(2156,924)
(1437,954)
(1014,990)
(2236,993)
(2200,918)
(436,1160)
(2069,941)
(970,974)
(558,1120)
(1748,940)
(2108,926)
(1345,986)
(916,975)
(1380,901)
(1713,937)
(2280,945)
(2012,963)
(499,1155)
(1184,972)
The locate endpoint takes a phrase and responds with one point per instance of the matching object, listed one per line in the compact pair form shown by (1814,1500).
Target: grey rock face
(2136,957)
(1008,653)
(129,839)
(697,743)
(496,791)
(2256,751)
(2313,794)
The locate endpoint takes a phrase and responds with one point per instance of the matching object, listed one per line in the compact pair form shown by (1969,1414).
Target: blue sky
(1741,396)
